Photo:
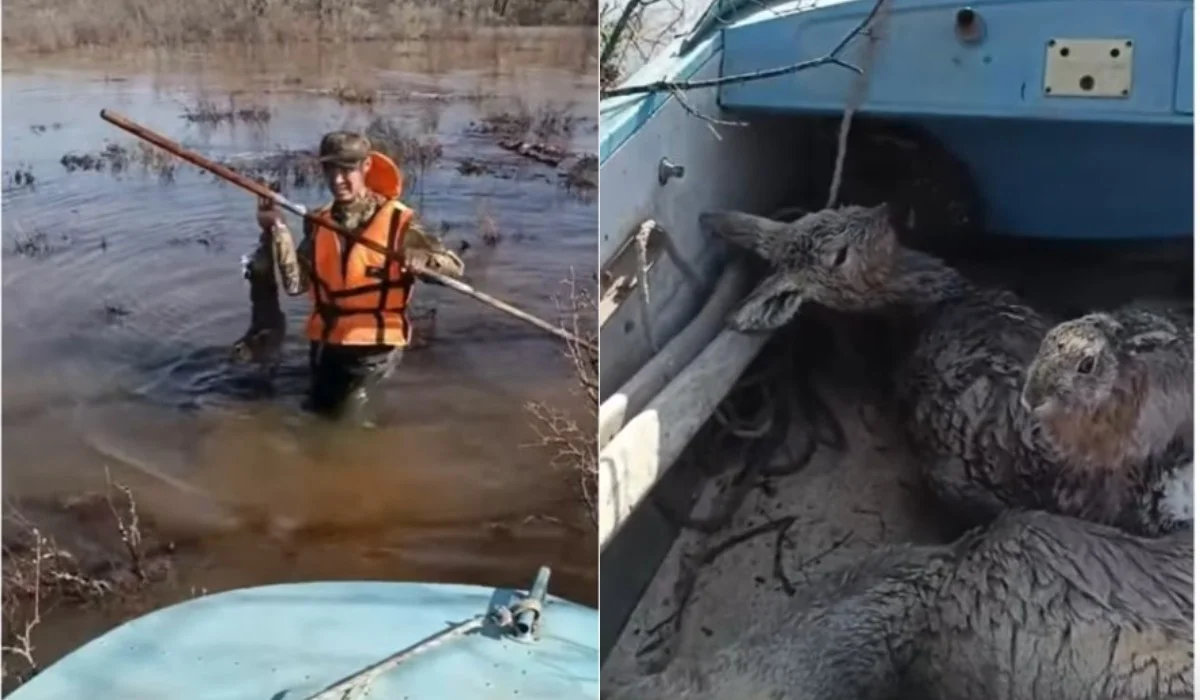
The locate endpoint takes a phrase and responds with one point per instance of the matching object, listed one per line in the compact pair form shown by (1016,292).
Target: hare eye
(841,256)
(1086,365)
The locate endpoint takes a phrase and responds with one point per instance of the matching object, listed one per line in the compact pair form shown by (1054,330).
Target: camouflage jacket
(421,249)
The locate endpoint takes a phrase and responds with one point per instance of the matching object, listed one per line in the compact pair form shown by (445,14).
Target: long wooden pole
(648,445)
(300,210)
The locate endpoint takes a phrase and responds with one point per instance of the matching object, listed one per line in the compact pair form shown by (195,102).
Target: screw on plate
(668,170)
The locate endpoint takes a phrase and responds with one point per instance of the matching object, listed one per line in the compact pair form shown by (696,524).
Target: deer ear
(746,231)
(772,304)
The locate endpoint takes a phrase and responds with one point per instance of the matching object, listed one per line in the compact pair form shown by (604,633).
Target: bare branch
(131,533)
(618,30)
(39,575)
(831,58)
(712,122)
(573,446)
(24,640)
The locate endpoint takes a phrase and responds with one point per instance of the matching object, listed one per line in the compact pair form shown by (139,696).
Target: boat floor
(845,504)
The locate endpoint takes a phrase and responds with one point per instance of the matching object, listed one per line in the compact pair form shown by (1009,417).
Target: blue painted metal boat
(1049,122)
(336,640)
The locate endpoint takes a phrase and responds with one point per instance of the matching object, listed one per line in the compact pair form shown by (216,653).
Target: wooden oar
(300,210)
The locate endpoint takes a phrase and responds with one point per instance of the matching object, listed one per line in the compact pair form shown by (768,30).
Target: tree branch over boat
(679,86)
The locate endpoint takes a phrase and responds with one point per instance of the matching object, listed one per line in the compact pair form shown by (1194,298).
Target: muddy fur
(1111,389)
(1168,503)
(1034,605)
(962,366)
(262,342)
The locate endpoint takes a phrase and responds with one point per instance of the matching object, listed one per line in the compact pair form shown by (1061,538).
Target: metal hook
(668,170)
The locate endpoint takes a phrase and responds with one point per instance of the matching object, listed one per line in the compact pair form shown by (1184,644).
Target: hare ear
(772,304)
(1150,341)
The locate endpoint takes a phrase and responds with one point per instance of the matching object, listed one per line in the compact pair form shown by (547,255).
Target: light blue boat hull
(1047,166)
(290,641)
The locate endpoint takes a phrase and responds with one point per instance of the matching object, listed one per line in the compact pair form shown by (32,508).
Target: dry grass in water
(489,232)
(278,170)
(209,241)
(574,446)
(113,158)
(516,119)
(281,170)
(41,575)
(209,113)
(46,26)
(38,245)
(19,177)
(415,154)
(541,134)
(410,151)
(117,158)
(43,128)
(583,175)
(470,166)
(354,95)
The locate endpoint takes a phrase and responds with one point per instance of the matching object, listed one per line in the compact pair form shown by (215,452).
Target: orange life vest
(359,296)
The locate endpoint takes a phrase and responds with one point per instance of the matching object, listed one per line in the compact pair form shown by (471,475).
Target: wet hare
(1032,606)
(262,342)
(1110,389)
(960,374)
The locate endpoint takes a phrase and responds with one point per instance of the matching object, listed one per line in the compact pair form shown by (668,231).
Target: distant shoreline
(33,27)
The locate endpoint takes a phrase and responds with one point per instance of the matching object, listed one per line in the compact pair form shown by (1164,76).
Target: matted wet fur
(1034,605)
(262,342)
(958,383)
(1110,389)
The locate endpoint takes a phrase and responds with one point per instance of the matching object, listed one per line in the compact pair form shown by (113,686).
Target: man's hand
(268,215)
(441,261)
(423,251)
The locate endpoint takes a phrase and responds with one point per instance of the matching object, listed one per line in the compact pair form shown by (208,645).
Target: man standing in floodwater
(359,325)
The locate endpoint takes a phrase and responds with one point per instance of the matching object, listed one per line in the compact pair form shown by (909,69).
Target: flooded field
(122,292)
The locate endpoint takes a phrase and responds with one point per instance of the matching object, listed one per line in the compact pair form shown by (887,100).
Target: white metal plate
(1100,68)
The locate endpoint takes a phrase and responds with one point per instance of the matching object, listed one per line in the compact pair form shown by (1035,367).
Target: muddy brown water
(114,343)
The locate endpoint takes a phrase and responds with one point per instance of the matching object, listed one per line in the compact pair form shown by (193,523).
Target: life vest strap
(384,287)
(326,310)
(385,284)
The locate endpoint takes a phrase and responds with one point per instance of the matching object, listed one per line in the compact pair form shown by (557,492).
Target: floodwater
(114,343)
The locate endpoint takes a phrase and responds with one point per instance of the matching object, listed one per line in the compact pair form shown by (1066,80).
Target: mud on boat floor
(844,504)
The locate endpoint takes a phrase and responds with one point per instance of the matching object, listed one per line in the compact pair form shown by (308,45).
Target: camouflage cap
(344,148)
